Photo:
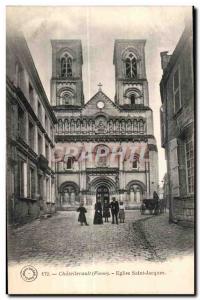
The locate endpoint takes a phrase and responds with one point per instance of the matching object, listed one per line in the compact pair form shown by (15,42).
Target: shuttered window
(174,167)
(190,165)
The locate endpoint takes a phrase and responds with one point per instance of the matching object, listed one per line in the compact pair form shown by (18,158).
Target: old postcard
(100,150)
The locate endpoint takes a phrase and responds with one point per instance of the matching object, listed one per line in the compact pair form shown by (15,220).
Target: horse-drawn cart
(154,206)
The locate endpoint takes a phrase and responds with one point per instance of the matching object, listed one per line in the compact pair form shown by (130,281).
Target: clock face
(100,104)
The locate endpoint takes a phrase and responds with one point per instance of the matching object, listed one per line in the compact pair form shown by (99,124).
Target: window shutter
(174,167)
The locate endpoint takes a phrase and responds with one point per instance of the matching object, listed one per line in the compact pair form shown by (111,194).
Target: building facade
(104,148)
(31,182)
(177,125)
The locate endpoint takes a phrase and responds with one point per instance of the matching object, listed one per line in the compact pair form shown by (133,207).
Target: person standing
(82,218)
(121,211)
(156,203)
(98,218)
(114,205)
(106,211)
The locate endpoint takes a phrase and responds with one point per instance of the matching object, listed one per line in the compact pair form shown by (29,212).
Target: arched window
(66,96)
(135,164)
(101,155)
(132,98)
(67,99)
(68,162)
(66,66)
(131,66)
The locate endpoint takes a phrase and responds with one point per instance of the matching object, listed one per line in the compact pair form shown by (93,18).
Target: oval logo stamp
(29,273)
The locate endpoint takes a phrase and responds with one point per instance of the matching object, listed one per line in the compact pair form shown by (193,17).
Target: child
(82,217)
(121,212)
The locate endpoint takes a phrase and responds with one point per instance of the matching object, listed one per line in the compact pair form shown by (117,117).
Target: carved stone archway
(102,180)
(136,182)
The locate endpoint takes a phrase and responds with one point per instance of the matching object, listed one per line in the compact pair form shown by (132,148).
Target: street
(61,239)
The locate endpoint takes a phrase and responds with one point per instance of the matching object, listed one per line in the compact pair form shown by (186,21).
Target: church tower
(130,74)
(66,81)
(91,134)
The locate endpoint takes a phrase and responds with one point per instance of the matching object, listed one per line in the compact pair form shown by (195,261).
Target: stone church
(104,148)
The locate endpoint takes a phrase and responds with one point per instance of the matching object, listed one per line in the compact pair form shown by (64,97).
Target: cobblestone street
(61,239)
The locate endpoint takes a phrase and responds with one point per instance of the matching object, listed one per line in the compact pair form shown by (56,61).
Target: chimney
(164,59)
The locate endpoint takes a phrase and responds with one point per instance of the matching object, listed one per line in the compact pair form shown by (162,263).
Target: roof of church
(101,96)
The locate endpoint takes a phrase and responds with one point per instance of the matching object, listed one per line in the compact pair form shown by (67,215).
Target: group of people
(117,210)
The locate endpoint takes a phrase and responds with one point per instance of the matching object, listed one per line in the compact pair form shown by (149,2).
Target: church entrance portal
(103,194)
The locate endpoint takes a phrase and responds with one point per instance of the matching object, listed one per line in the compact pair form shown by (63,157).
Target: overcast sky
(97,28)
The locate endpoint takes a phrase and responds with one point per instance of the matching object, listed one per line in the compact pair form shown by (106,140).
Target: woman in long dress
(98,218)
(82,218)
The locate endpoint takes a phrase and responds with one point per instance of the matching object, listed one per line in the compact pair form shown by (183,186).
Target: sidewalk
(168,240)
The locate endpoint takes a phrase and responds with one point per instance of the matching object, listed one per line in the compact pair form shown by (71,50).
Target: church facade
(104,148)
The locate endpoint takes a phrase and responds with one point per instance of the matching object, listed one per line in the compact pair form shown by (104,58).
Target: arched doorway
(104,187)
(103,194)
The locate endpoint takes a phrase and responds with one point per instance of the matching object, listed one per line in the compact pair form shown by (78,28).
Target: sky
(97,28)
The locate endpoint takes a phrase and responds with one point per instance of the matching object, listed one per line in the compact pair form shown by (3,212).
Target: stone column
(122,197)
(73,198)
(66,199)
(93,198)
(84,198)
(132,196)
(138,196)
(125,197)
